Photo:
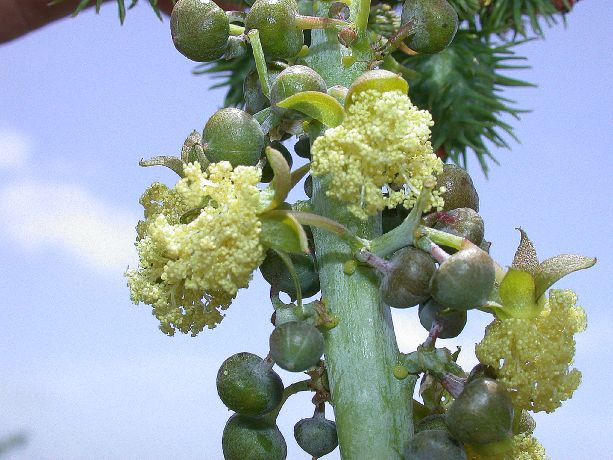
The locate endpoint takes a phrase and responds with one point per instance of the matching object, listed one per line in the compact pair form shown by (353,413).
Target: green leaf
(173,163)
(320,106)
(380,80)
(517,294)
(557,267)
(299,173)
(282,232)
(525,256)
(281,184)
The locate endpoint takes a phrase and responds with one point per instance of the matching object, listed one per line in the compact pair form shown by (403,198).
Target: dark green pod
(293,80)
(274,272)
(276,22)
(463,222)
(246,384)
(308,186)
(200,29)
(252,90)
(464,280)
(431,422)
(482,414)
(316,435)
(296,346)
(435,24)
(434,445)
(460,192)
(393,217)
(406,281)
(233,135)
(303,147)
(251,438)
(267,172)
(451,321)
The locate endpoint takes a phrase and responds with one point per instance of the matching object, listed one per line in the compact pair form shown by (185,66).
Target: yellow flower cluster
(524,446)
(532,356)
(190,270)
(383,142)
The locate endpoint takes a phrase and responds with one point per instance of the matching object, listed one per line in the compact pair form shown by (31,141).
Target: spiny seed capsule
(296,346)
(276,274)
(463,222)
(199,29)
(267,172)
(434,445)
(316,435)
(293,80)
(256,439)
(435,23)
(460,192)
(233,135)
(452,322)
(464,280)
(405,282)
(246,384)
(276,22)
(482,414)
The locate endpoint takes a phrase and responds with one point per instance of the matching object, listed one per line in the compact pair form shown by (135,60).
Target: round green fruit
(316,435)
(462,222)
(434,445)
(460,192)
(464,280)
(296,346)
(276,22)
(435,23)
(233,135)
(246,384)
(199,29)
(482,414)
(267,172)
(276,273)
(255,100)
(251,438)
(303,147)
(452,322)
(293,80)
(431,422)
(406,281)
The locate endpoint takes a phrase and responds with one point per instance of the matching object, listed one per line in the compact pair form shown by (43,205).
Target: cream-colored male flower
(524,446)
(383,143)
(190,270)
(532,356)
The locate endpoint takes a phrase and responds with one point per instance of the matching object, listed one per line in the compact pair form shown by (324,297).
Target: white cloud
(37,214)
(15,148)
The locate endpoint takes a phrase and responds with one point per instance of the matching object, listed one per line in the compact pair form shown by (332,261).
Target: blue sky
(88,375)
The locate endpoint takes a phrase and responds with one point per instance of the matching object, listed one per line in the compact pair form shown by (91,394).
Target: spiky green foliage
(466,9)
(232,74)
(121,6)
(460,86)
(502,16)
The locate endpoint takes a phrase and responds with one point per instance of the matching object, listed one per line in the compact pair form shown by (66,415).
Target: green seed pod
(296,346)
(464,280)
(303,147)
(274,272)
(233,135)
(308,186)
(276,22)
(252,438)
(199,29)
(482,414)
(246,384)
(434,445)
(316,435)
(460,191)
(435,24)
(463,222)
(267,172)
(406,281)
(252,90)
(432,422)
(293,80)
(452,321)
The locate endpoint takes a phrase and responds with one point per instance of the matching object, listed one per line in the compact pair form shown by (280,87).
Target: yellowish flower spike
(532,356)
(383,142)
(524,446)
(190,271)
